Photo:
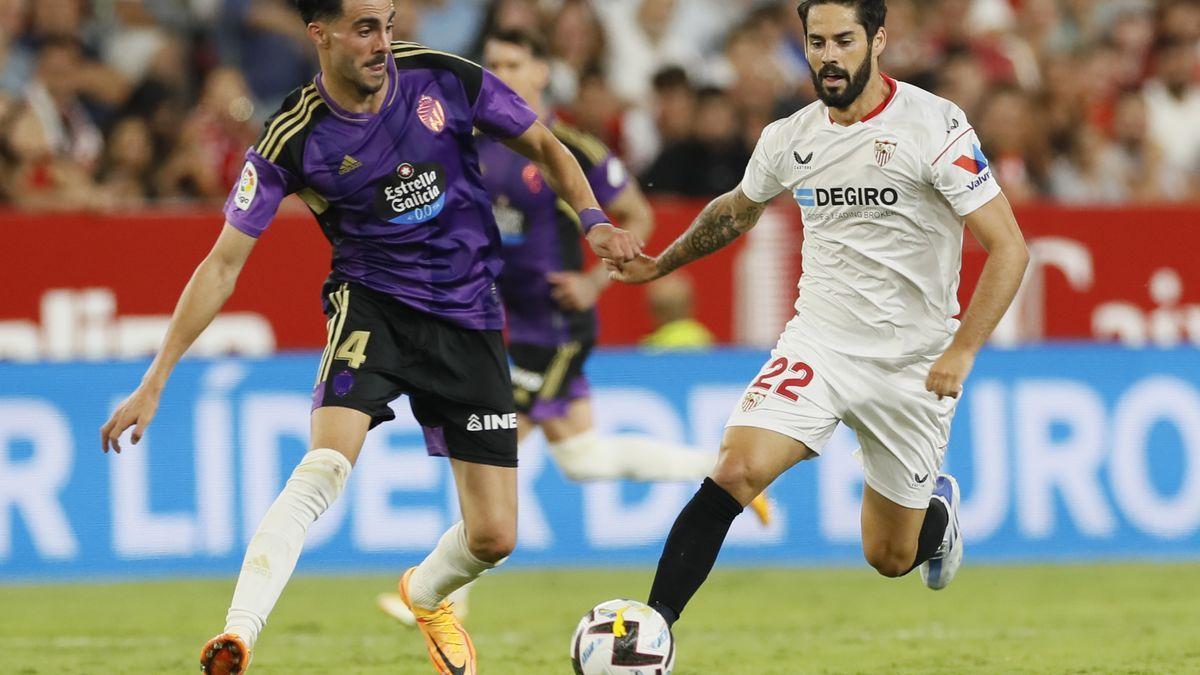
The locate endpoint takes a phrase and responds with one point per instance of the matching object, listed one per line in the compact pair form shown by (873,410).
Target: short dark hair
(671,77)
(312,10)
(522,38)
(871,13)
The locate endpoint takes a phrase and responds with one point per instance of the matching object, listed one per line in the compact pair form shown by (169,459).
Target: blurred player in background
(885,175)
(550,298)
(380,146)
(670,300)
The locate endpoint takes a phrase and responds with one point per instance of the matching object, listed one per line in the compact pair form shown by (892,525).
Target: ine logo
(802,160)
(491,422)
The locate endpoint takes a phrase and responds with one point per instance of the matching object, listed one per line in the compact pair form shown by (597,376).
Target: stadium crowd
(108,104)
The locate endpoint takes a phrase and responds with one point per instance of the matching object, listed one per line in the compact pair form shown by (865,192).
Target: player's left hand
(948,373)
(574,291)
(614,243)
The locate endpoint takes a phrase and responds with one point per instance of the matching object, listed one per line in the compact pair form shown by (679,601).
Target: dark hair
(522,38)
(709,94)
(671,77)
(871,13)
(312,10)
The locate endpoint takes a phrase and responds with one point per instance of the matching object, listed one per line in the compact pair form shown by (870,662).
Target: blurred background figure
(680,89)
(670,301)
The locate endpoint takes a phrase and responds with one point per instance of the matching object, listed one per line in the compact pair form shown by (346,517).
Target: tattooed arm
(724,219)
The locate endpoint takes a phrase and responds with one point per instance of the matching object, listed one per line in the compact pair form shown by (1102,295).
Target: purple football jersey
(540,234)
(398,194)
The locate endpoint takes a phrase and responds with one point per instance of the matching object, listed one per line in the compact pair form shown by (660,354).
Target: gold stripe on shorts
(341,304)
(558,368)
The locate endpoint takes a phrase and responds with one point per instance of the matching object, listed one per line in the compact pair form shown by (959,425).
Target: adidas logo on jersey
(348,164)
(491,422)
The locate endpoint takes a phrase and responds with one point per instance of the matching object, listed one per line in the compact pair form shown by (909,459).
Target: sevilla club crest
(883,151)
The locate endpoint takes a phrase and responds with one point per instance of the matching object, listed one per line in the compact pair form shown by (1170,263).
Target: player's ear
(880,40)
(316,33)
(543,69)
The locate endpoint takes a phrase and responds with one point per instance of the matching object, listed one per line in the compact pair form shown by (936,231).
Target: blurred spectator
(1042,24)
(1180,20)
(667,121)
(54,96)
(34,176)
(449,25)
(408,19)
(643,40)
(129,34)
(210,153)
(268,42)
(1173,105)
(597,111)
(1149,178)
(908,54)
(758,83)
(163,99)
(670,301)
(50,19)
(126,171)
(1009,126)
(1079,100)
(1090,173)
(505,15)
(577,45)
(711,161)
(961,79)
(1131,32)
(16,59)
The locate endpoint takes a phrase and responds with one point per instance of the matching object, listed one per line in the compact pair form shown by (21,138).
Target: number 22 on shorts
(784,387)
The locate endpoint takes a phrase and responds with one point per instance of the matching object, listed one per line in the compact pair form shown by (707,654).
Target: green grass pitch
(1128,618)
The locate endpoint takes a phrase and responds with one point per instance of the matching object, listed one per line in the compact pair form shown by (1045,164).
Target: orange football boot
(226,654)
(449,645)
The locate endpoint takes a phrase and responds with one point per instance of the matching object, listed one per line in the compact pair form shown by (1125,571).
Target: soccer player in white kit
(885,175)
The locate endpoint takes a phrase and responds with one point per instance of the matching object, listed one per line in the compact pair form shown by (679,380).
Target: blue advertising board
(1066,452)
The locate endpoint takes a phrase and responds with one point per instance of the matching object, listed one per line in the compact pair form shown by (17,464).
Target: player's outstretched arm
(995,227)
(579,291)
(566,178)
(724,219)
(210,286)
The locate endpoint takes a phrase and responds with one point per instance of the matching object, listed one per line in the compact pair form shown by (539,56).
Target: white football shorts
(805,390)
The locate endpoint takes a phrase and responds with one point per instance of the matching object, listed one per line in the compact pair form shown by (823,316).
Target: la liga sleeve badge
(247,187)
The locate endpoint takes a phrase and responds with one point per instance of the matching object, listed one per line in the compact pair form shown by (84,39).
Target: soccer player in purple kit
(550,299)
(380,146)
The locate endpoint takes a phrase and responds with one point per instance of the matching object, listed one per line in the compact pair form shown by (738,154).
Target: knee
(739,476)
(493,543)
(890,560)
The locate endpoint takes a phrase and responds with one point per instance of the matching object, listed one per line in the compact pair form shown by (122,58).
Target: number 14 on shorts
(800,375)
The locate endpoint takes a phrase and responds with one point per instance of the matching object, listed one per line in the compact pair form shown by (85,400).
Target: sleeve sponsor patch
(247,187)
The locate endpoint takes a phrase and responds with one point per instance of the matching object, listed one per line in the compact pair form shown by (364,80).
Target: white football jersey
(883,202)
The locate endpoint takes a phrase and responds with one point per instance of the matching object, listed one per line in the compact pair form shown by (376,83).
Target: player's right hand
(138,409)
(640,270)
(613,243)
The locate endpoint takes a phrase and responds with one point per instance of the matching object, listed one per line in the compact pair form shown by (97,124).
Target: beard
(362,80)
(854,83)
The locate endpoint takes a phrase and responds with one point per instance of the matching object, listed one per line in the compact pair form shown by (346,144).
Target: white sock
(588,456)
(447,568)
(272,554)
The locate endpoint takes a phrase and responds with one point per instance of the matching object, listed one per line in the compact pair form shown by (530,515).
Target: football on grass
(622,637)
